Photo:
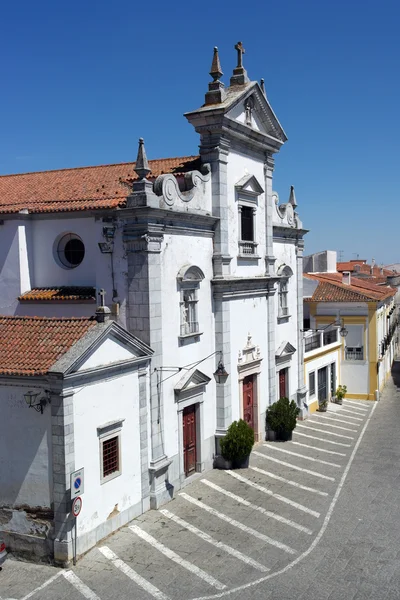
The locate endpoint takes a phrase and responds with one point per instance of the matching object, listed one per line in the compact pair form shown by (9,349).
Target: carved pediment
(249,185)
(285,350)
(192,380)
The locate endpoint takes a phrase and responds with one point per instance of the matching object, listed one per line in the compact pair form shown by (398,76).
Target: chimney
(102,311)
(372,266)
(346,278)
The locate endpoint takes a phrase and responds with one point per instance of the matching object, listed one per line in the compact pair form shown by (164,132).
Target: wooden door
(322,384)
(189,439)
(248,400)
(283,383)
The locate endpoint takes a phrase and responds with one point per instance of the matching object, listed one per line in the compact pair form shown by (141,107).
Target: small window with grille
(110,450)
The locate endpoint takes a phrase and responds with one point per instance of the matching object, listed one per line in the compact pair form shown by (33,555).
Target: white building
(199,261)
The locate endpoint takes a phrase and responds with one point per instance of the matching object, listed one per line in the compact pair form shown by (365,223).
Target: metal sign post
(76,509)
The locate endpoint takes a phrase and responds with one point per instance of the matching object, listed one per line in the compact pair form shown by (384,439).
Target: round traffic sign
(76,506)
(77,483)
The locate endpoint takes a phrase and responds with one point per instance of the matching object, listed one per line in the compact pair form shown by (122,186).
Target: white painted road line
(265,490)
(126,569)
(318,460)
(289,481)
(176,558)
(353,411)
(45,584)
(338,413)
(319,449)
(286,464)
(320,423)
(260,509)
(237,524)
(356,404)
(313,437)
(338,420)
(207,538)
(347,437)
(80,586)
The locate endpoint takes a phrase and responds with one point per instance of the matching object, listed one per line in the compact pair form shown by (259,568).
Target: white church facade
(200,263)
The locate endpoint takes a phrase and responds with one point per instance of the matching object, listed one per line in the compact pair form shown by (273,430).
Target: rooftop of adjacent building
(339,287)
(31,345)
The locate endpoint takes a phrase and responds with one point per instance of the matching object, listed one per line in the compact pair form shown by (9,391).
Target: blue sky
(82,81)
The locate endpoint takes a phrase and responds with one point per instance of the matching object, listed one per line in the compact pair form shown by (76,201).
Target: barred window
(110,449)
(110,456)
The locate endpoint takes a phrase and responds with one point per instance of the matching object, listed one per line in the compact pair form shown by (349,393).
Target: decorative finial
(142,164)
(216,71)
(292,197)
(216,89)
(262,86)
(239,76)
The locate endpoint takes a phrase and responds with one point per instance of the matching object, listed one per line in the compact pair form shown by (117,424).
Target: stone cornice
(284,233)
(242,287)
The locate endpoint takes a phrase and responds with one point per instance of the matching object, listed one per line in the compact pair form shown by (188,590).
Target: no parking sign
(77,483)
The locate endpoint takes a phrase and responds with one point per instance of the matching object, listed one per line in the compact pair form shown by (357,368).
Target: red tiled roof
(364,268)
(83,188)
(331,289)
(31,345)
(60,294)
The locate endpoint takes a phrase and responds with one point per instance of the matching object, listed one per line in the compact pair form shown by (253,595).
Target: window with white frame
(247,240)
(354,342)
(189,279)
(284,272)
(311,384)
(110,450)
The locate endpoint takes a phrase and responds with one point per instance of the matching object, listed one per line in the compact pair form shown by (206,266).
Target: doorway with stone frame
(249,371)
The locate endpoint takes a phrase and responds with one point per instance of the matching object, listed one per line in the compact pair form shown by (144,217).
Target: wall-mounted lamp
(338,323)
(33,402)
(220,374)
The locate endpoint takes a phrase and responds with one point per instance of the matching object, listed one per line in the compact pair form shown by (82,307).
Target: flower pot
(339,401)
(221,463)
(243,463)
(322,408)
(284,436)
(271,435)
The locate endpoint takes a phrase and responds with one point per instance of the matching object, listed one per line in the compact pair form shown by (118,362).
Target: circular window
(70,250)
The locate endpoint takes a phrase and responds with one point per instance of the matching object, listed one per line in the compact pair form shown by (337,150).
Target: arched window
(284,272)
(189,278)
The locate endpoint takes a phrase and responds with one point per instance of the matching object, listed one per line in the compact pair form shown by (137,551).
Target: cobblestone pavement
(316,517)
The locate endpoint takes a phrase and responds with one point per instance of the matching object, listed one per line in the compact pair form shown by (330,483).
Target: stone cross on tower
(239,76)
(102,294)
(240,51)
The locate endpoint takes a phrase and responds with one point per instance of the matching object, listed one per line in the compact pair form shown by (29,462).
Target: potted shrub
(237,444)
(323,406)
(340,394)
(282,418)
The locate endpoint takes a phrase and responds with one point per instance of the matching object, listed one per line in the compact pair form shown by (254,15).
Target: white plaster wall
(355,377)
(238,166)
(318,362)
(110,351)
(25,451)
(53,309)
(286,329)
(95,406)
(179,251)
(248,316)
(15,269)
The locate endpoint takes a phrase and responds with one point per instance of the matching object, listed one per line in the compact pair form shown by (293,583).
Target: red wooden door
(189,439)
(248,400)
(282,383)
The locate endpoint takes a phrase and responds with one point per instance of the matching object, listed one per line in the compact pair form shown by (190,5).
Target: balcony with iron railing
(319,339)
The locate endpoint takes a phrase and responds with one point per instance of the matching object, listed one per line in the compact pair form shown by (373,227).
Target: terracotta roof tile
(31,345)
(83,188)
(60,294)
(331,289)
(362,267)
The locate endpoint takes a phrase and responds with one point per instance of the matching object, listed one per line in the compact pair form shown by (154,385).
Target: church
(198,262)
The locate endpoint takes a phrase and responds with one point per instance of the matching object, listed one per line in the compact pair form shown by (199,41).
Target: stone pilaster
(222,342)
(144,437)
(269,215)
(63,461)
(215,150)
(301,387)
(144,321)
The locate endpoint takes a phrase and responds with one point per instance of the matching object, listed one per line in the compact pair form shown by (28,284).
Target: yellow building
(363,357)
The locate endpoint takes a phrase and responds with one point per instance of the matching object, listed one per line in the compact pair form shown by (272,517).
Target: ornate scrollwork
(167,185)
